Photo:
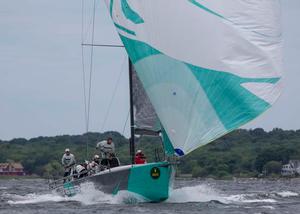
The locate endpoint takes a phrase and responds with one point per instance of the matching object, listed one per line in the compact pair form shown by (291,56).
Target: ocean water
(189,196)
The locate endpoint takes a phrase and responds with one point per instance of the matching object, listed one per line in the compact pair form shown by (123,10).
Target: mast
(131,141)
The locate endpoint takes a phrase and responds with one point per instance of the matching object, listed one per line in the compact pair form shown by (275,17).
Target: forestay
(208,66)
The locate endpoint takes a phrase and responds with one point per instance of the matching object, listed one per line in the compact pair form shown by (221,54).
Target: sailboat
(199,69)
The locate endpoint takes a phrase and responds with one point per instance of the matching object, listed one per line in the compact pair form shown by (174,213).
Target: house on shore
(11,169)
(291,169)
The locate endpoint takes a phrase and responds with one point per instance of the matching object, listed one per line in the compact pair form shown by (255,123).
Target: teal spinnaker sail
(207,66)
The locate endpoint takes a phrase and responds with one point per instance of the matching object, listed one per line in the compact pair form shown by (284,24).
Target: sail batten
(207,71)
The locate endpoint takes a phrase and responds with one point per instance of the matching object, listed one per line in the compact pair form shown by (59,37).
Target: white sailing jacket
(68,160)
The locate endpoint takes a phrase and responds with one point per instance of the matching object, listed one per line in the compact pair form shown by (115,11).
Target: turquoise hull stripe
(141,182)
(131,14)
(69,189)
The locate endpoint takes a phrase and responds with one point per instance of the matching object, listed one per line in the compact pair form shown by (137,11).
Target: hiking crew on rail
(106,149)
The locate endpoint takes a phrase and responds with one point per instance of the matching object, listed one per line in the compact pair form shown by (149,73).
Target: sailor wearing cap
(139,158)
(68,161)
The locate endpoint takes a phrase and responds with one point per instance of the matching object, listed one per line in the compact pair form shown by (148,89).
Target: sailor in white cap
(68,161)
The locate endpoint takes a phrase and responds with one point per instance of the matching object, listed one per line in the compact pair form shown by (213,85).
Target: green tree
(272,167)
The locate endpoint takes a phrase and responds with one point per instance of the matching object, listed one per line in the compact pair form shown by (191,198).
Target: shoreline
(8,177)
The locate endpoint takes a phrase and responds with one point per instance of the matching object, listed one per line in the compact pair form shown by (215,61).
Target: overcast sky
(41,90)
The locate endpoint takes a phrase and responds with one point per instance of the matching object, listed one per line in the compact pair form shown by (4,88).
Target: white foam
(199,193)
(34,198)
(268,207)
(286,194)
(88,195)
(249,198)
(268,200)
(206,193)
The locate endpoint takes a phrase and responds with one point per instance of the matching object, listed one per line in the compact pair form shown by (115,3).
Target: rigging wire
(124,127)
(87,94)
(113,95)
(91,72)
(83,78)
(89,25)
(91,65)
(83,65)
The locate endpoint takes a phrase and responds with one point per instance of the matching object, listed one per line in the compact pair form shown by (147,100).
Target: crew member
(82,170)
(139,157)
(106,147)
(107,151)
(68,161)
(96,159)
(95,164)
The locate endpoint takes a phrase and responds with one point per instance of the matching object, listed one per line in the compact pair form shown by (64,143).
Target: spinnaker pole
(131,141)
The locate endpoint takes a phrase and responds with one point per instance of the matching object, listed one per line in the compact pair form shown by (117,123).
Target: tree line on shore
(241,153)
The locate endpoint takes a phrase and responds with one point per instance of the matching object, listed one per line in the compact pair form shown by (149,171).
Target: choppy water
(189,196)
